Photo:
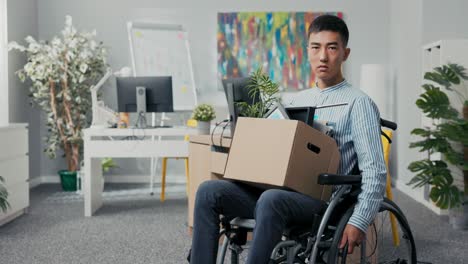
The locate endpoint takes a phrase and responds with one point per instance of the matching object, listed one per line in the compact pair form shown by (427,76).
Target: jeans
(272,209)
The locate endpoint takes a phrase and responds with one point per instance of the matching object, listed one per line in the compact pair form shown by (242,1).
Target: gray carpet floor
(134,227)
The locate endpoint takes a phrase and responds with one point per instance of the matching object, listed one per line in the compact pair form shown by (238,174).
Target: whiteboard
(163,50)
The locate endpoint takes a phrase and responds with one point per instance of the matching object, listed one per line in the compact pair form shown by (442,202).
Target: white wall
(368,23)
(405,58)
(444,20)
(3,64)
(22,21)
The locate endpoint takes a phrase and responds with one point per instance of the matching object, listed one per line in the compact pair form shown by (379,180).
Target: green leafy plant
(260,86)
(61,72)
(4,205)
(204,112)
(107,164)
(448,131)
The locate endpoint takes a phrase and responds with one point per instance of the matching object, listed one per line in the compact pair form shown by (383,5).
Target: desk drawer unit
(14,168)
(218,162)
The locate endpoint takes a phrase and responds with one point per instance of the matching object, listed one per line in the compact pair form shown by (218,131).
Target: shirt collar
(334,87)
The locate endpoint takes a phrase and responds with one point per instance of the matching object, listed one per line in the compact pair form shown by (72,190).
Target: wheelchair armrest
(335,179)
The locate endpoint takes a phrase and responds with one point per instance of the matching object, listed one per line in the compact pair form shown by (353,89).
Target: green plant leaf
(421,132)
(427,171)
(448,74)
(437,78)
(456,131)
(445,196)
(459,70)
(436,104)
(433,144)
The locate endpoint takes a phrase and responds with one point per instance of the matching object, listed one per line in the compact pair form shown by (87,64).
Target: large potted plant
(61,72)
(449,136)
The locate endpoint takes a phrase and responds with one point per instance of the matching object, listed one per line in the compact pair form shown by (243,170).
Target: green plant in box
(260,86)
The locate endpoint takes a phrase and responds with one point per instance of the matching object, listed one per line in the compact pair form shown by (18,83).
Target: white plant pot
(204,127)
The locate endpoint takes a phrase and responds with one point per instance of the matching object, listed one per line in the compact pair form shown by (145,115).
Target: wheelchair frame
(293,247)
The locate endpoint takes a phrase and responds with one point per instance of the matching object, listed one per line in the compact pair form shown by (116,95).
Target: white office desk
(113,142)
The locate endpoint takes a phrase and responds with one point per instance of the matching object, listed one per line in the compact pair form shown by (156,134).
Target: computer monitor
(236,91)
(144,94)
(304,114)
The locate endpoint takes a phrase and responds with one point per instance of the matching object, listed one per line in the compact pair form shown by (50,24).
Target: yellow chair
(386,149)
(190,123)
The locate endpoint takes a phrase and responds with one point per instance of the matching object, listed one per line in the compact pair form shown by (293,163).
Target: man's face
(327,53)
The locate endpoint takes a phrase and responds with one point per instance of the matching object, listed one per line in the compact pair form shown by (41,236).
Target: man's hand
(354,236)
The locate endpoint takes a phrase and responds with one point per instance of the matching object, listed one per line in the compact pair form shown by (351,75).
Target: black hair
(330,23)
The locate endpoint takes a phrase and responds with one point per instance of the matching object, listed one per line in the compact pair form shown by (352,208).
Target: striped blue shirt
(357,133)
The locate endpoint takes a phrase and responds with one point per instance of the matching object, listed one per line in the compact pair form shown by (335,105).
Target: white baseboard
(170,179)
(408,190)
(34,182)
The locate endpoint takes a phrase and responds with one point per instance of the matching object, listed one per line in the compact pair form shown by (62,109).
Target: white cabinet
(434,55)
(444,52)
(14,168)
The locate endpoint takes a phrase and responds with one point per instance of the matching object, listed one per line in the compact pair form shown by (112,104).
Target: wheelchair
(388,239)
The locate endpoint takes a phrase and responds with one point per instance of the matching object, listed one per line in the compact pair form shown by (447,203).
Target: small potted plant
(204,113)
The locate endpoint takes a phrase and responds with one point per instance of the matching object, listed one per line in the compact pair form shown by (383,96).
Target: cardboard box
(282,153)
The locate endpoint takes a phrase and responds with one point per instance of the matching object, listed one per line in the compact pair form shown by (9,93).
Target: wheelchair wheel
(388,240)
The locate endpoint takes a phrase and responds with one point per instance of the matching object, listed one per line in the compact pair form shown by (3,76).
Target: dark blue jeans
(273,210)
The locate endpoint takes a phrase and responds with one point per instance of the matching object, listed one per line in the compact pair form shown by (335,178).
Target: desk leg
(92,185)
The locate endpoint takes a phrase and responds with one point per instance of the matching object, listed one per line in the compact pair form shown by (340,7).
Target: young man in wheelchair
(357,133)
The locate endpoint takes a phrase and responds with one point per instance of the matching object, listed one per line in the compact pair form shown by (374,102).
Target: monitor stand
(141,106)
(141,120)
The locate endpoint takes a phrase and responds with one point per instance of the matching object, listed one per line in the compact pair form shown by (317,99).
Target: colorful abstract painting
(275,41)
